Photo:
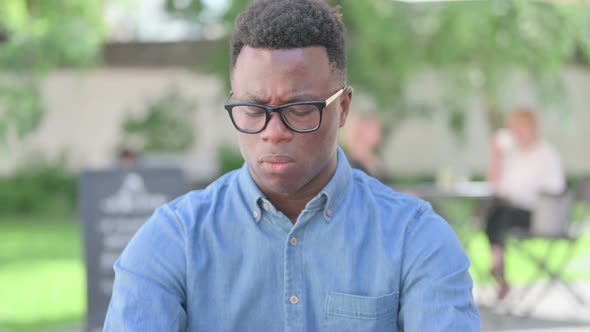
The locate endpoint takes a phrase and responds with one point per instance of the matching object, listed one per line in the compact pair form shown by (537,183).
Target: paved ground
(547,308)
(492,321)
(551,309)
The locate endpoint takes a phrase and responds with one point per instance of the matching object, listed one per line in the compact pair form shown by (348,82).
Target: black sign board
(113,205)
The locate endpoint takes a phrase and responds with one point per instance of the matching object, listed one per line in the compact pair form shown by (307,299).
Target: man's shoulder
(385,196)
(396,214)
(208,198)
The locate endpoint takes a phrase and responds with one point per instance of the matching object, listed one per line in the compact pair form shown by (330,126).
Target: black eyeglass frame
(320,104)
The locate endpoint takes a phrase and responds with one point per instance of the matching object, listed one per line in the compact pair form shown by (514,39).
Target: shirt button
(329,213)
(293,241)
(255,214)
(266,207)
(294,299)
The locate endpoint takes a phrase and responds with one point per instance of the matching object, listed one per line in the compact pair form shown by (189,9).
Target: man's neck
(292,203)
(290,206)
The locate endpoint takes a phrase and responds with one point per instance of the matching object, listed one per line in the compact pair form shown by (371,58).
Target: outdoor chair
(582,201)
(550,221)
(582,191)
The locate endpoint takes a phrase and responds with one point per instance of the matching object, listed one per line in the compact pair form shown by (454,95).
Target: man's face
(282,161)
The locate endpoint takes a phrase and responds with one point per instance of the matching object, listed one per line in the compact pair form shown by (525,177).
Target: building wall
(86,108)
(426,145)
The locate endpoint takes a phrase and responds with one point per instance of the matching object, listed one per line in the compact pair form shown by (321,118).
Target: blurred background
(86,82)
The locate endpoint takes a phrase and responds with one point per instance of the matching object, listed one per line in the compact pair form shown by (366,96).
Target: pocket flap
(363,307)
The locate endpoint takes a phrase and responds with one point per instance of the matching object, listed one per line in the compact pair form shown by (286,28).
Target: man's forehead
(265,63)
(319,54)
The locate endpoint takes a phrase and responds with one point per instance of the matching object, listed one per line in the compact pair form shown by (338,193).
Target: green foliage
(188,9)
(219,61)
(42,189)
(165,126)
(35,38)
(229,159)
(44,34)
(20,107)
(470,47)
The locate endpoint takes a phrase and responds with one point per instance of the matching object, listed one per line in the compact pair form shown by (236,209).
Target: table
(470,190)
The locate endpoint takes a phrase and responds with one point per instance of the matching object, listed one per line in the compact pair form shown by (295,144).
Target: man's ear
(345,105)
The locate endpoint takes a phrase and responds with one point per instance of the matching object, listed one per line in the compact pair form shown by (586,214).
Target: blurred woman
(522,166)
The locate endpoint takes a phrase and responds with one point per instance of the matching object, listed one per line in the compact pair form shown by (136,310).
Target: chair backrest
(581,222)
(552,215)
(582,191)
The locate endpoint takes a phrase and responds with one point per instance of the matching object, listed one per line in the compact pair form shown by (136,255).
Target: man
(362,137)
(295,240)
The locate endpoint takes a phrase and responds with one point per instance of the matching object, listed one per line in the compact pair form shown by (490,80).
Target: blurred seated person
(362,136)
(522,166)
(127,159)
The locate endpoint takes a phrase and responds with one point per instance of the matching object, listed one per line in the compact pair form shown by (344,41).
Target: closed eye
(250,111)
(300,110)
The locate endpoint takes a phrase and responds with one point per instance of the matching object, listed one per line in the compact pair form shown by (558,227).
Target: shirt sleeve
(149,289)
(436,285)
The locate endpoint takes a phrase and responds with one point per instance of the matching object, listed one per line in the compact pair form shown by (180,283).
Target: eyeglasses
(301,117)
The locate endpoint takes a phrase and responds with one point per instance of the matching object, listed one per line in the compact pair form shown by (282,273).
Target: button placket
(293,290)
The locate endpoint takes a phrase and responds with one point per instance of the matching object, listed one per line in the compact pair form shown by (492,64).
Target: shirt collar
(250,191)
(333,193)
(328,199)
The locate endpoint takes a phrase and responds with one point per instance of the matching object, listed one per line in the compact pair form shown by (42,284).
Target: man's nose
(276,130)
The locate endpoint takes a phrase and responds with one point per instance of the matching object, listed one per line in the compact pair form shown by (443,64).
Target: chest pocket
(346,312)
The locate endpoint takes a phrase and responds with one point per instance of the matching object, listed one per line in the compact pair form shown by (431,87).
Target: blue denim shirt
(361,257)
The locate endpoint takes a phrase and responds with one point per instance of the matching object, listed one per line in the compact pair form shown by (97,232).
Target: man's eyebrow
(262,101)
(255,99)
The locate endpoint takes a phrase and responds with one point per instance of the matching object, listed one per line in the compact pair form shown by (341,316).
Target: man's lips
(272,159)
(277,163)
